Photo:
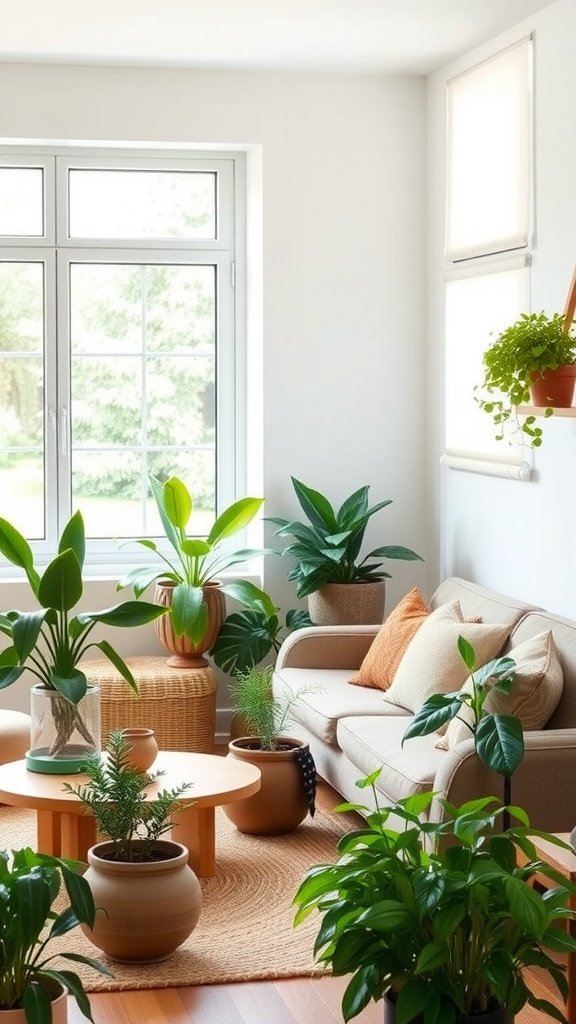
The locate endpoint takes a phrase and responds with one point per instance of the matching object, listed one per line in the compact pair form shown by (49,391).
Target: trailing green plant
(50,641)
(266,714)
(327,547)
(534,343)
(29,885)
(199,560)
(246,637)
(498,738)
(116,795)
(439,916)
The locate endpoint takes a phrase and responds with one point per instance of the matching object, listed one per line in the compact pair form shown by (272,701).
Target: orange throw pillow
(387,648)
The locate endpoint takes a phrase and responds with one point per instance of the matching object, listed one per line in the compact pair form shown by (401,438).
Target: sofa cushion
(387,649)
(432,662)
(371,743)
(538,682)
(327,697)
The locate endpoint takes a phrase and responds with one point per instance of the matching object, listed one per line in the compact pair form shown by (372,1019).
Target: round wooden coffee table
(66,829)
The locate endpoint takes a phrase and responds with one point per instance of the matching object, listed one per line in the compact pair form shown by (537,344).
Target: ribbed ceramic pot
(149,908)
(184,653)
(348,604)
(59,1010)
(554,388)
(281,802)
(142,748)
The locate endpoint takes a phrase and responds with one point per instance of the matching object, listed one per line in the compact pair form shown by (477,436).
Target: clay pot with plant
(151,897)
(188,585)
(438,920)
(341,586)
(288,777)
(33,987)
(532,360)
(50,642)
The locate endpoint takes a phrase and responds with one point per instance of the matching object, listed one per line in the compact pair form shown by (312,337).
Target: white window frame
(227,252)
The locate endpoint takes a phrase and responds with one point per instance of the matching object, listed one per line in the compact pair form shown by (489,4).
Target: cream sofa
(353,730)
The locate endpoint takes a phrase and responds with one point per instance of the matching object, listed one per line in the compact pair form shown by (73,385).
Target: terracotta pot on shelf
(348,604)
(280,804)
(151,907)
(185,654)
(554,388)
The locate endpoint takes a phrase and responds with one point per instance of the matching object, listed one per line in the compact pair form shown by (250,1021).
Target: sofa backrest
(477,600)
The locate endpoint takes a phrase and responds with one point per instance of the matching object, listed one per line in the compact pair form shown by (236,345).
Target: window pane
(197,469)
(21,201)
(105,308)
(181,308)
(22,395)
(180,401)
(106,401)
(107,487)
(142,204)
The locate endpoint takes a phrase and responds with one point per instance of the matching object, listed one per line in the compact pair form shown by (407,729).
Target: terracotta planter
(143,748)
(348,604)
(150,907)
(59,1009)
(554,388)
(281,803)
(184,653)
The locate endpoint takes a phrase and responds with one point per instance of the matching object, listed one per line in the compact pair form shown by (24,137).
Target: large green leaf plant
(327,547)
(50,641)
(29,885)
(199,561)
(439,916)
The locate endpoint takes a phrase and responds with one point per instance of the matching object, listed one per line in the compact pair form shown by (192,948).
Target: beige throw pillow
(538,684)
(432,662)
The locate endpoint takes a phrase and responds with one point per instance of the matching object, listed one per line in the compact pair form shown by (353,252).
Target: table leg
(195,828)
(78,833)
(48,833)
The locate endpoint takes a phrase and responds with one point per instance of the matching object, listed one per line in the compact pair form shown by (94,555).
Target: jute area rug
(245,931)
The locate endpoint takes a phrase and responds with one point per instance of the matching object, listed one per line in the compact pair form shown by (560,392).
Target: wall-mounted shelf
(536,410)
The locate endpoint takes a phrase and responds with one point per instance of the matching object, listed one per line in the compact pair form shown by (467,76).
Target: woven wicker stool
(178,703)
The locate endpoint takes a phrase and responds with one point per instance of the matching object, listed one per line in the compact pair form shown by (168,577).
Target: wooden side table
(563,861)
(178,703)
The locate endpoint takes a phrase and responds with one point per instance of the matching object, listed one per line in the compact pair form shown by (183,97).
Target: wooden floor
(294,1001)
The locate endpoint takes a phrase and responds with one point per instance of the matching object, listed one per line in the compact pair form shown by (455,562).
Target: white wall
(342,163)
(516,537)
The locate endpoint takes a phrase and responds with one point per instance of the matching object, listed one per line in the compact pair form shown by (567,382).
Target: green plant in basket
(438,917)
(528,347)
(50,642)
(30,977)
(199,561)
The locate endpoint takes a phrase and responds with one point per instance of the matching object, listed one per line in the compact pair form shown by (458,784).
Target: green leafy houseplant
(29,885)
(498,738)
(198,561)
(438,917)
(246,637)
(327,546)
(50,641)
(116,795)
(266,716)
(528,347)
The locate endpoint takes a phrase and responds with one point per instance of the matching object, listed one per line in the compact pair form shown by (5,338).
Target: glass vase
(62,734)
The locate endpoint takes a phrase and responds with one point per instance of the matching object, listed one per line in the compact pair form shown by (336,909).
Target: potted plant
(188,585)
(33,989)
(438,919)
(50,642)
(288,777)
(327,550)
(534,359)
(151,897)
(246,637)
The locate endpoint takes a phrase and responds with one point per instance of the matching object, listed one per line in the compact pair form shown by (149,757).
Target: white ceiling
(391,36)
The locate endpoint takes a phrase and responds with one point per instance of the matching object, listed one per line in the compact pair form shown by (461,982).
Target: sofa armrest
(326,647)
(539,785)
